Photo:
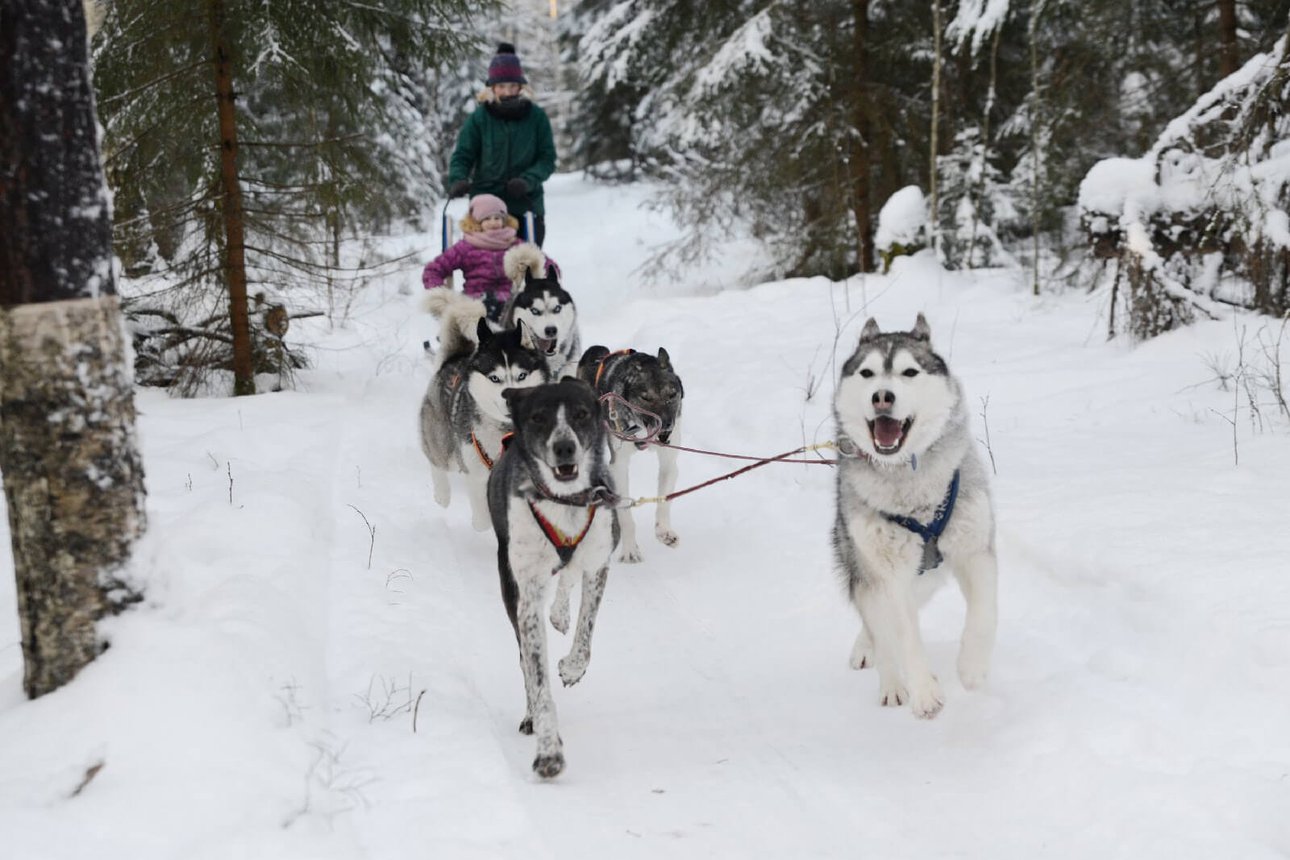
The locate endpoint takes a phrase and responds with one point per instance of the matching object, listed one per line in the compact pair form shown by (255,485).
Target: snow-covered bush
(902,225)
(1201,219)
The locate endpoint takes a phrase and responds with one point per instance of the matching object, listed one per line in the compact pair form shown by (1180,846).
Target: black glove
(517,187)
(460,188)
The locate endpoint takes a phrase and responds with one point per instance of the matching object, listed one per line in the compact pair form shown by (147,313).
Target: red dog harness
(564,544)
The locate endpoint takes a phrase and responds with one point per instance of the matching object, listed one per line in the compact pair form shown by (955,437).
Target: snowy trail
(261,705)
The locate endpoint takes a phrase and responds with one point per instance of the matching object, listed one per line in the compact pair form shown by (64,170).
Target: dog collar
(564,543)
(598,496)
(931,533)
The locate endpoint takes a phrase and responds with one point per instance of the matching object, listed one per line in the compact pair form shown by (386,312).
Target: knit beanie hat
(505,67)
(483,205)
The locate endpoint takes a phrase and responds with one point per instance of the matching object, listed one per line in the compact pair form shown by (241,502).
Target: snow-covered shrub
(902,225)
(1200,219)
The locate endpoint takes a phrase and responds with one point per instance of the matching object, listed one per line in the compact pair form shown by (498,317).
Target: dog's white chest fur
(533,552)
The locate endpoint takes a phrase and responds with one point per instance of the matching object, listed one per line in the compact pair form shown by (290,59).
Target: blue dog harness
(930,533)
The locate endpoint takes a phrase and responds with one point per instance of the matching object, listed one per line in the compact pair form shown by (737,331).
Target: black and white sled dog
(464,414)
(542,309)
(912,492)
(544,498)
(648,383)
(539,307)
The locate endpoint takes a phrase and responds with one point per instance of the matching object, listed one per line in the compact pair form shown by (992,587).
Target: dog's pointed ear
(526,333)
(664,360)
(528,277)
(514,397)
(483,332)
(921,329)
(551,273)
(870,330)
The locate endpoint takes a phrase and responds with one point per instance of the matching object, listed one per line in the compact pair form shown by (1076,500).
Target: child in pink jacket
(489,233)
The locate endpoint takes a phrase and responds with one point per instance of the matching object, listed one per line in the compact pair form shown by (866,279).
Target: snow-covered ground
(323,668)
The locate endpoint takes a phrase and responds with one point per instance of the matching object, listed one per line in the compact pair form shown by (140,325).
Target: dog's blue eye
(521,377)
(536,312)
(866,373)
(556,309)
(911,372)
(495,379)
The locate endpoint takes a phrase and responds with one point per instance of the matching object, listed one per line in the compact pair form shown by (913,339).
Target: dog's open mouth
(888,434)
(566,472)
(545,345)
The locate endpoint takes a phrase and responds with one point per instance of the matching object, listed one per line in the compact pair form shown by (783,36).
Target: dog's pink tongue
(887,431)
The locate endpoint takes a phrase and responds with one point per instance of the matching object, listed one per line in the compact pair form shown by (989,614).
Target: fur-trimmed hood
(487,95)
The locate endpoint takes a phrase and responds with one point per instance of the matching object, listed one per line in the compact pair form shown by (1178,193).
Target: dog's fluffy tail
(522,258)
(458,317)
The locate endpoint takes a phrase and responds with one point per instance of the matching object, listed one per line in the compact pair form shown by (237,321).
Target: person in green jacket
(506,147)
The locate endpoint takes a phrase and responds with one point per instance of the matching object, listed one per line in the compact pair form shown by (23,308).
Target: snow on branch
(975,22)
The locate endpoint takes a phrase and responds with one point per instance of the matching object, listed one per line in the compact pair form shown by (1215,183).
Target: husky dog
(542,309)
(463,413)
(544,500)
(910,487)
(648,383)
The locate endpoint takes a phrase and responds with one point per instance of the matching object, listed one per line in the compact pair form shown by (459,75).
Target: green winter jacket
(491,150)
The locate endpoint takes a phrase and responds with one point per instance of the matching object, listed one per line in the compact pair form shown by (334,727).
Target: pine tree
(328,105)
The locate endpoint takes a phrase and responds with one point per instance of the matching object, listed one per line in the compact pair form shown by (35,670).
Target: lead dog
(463,413)
(544,497)
(912,493)
(649,383)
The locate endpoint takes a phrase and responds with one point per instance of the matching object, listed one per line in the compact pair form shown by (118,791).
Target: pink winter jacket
(481,267)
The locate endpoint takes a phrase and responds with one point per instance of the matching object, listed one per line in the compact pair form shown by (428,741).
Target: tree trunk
(934,143)
(232,212)
(1229,57)
(861,110)
(1036,8)
(71,470)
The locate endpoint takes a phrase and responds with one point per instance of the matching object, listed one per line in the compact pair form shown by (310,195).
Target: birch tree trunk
(71,470)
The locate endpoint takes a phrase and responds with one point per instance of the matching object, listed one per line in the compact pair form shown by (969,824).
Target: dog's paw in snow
(892,693)
(442,489)
(560,612)
(548,766)
(667,537)
(630,554)
(862,651)
(572,668)
(926,699)
(973,669)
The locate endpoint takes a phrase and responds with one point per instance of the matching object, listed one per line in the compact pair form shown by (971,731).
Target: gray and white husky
(542,309)
(912,492)
(544,498)
(648,383)
(464,414)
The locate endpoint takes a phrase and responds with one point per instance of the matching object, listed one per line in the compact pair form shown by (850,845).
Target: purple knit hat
(505,67)
(483,205)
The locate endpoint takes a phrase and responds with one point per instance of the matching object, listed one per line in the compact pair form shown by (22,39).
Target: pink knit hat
(483,205)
